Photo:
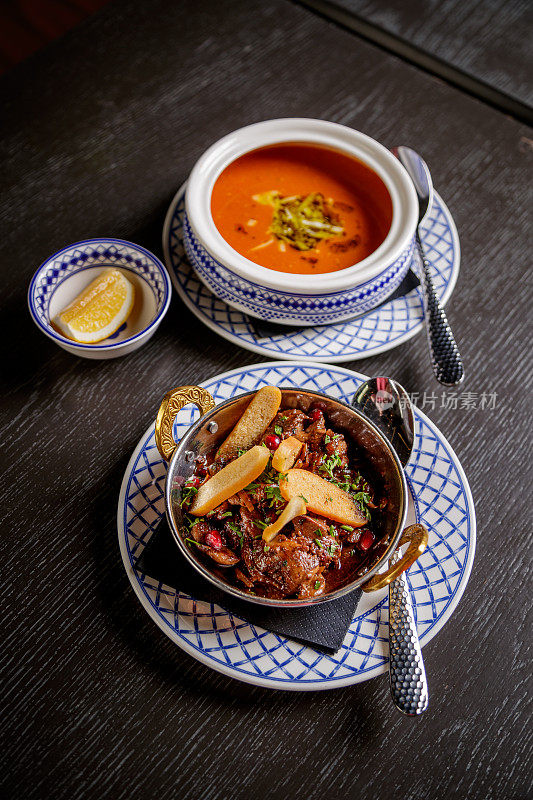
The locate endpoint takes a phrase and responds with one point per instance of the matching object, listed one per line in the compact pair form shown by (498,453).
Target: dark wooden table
(98,131)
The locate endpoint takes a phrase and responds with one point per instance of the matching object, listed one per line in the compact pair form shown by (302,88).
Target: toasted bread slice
(230,480)
(253,423)
(322,497)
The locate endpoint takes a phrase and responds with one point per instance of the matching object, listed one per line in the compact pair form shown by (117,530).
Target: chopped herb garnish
(304,499)
(261,524)
(363,498)
(317,585)
(346,528)
(319,533)
(278,430)
(301,221)
(225,514)
(236,530)
(330,464)
(187,495)
(266,548)
(273,493)
(190,521)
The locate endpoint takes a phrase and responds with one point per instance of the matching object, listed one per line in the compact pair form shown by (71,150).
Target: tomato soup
(301,208)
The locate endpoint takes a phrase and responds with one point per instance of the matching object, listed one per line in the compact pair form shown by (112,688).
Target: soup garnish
(294,515)
(301,208)
(301,221)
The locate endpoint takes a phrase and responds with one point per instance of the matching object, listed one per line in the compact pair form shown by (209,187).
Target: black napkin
(323,626)
(264,330)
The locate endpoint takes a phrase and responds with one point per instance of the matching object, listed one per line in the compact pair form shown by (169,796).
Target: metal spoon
(386,403)
(445,357)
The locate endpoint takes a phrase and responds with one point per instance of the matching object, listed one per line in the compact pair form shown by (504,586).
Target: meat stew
(312,554)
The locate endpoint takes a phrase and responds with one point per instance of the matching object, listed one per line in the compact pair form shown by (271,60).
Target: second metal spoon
(386,403)
(445,357)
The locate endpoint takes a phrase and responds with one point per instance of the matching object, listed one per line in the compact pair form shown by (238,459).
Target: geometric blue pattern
(441,499)
(84,255)
(275,304)
(370,333)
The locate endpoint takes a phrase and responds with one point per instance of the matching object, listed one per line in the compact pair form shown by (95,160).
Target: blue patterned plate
(386,327)
(441,499)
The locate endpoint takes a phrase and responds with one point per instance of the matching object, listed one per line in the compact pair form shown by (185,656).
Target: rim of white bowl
(52,334)
(308,131)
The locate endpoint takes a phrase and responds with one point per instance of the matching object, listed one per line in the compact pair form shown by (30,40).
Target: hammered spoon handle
(408,683)
(445,357)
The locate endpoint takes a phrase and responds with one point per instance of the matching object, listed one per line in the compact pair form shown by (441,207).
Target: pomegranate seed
(272,441)
(214,539)
(193,481)
(315,414)
(366,541)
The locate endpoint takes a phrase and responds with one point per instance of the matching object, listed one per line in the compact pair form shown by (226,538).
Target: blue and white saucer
(440,499)
(374,332)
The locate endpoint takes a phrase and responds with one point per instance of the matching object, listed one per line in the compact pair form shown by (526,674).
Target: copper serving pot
(214,425)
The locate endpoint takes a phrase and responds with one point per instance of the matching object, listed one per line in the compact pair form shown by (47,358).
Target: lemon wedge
(102,307)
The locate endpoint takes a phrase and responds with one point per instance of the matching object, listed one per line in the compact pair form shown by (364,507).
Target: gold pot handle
(173,402)
(417,537)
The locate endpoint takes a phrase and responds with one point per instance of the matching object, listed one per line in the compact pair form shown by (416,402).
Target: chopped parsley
(273,494)
(328,548)
(317,585)
(362,499)
(236,530)
(278,430)
(187,495)
(190,521)
(330,464)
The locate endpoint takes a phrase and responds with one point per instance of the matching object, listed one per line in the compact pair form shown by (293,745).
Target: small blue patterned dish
(286,298)
(64,275)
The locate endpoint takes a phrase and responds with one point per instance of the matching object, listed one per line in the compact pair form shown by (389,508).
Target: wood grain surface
(98,132)
(489,39)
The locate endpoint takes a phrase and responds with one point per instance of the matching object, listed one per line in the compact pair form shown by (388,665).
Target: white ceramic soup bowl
(61,278)
(299,299)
